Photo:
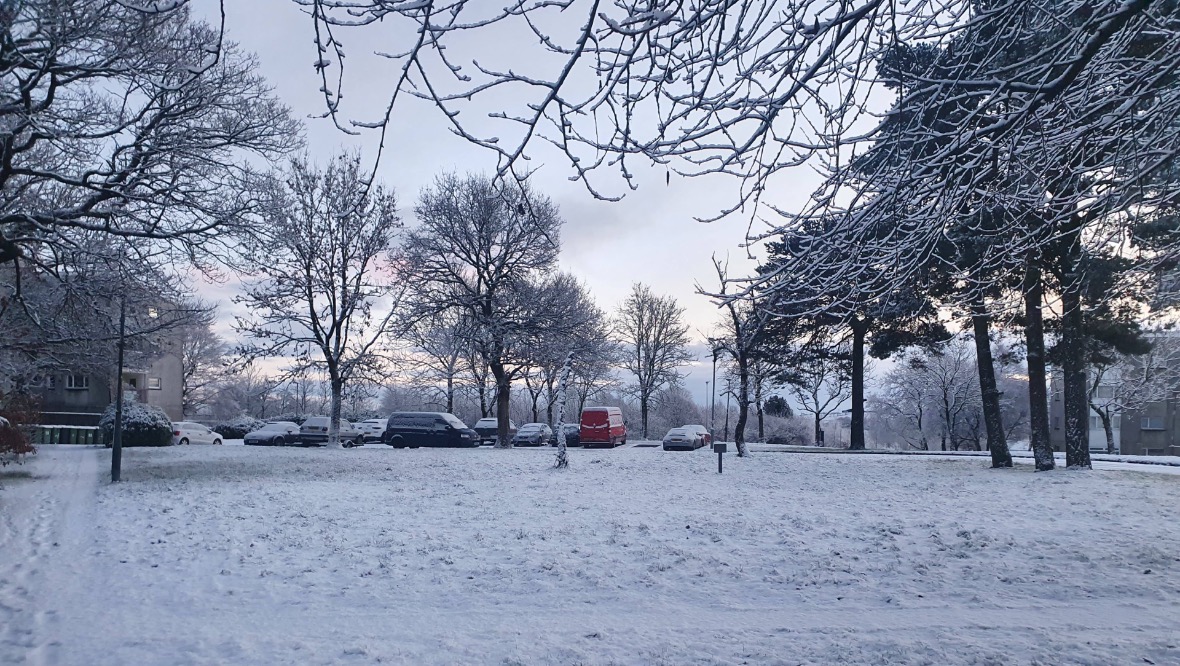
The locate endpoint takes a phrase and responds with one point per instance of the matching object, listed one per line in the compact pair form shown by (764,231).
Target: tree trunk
(819,437)
(1073,366)
(860,327)
(1107,427)
(643,414)
(1038,394)
(739,430)
(503,395)
(450,395)
(334,414)
(562,458)
(761,432)
(992,417)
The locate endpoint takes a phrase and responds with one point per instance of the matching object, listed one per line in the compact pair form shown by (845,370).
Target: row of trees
(1023,176)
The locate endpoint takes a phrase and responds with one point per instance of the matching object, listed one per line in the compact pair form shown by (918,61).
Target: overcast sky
(650,236)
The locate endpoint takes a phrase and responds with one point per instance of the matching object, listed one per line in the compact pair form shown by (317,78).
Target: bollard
(720,448)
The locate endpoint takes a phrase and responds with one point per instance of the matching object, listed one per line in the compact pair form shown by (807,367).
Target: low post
(719,447)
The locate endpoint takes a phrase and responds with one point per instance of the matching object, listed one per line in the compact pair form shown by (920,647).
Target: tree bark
(992,417)
(1038,394)
(818,432)
(450,395)
(334,413)
(860,327)
(503,395)
(643,414)
(1107,428)
(739,430)
(1073,366)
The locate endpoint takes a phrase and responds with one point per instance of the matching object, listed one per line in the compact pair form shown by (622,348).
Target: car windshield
(274,426)
(676,431)
(531,427)
(485,423)
(372,422)
(453,420)
(316,421)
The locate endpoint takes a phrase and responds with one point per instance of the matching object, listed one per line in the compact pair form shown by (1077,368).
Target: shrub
(17,412)
(143,425)
(237,427)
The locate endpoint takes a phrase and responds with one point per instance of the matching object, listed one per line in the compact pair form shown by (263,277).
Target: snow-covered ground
(243,555)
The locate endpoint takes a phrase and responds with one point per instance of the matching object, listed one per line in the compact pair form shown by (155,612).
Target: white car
(372,429)
(187,432)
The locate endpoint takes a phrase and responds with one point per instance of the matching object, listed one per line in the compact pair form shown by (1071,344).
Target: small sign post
(719,447)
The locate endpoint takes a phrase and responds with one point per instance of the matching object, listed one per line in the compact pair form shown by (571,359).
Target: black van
(414,429)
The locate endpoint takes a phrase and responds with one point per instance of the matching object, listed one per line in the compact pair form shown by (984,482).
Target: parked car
(682,439)
(533,434)
(602,426)
(314,432)
(572,435)
(701,430)
(372,429)
(187,432)
(275,433)
(414,429)
(487,430)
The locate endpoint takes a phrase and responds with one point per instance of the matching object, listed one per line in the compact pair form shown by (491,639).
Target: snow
(278,555)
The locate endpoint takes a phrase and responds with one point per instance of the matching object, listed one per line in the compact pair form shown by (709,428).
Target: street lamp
(713,397)
(117,439)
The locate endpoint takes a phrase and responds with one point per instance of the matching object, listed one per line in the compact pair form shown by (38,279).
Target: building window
(77,382)
(1104,392)
(1151,423)
(1095,423)
(154,383)
(51,382)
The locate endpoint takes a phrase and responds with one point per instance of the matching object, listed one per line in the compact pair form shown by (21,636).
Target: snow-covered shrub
(143,425)
(237,427)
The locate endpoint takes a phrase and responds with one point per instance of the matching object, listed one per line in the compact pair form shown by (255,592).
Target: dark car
(487,429)
(275,433)
(414,429)
(533,434)
(573,435)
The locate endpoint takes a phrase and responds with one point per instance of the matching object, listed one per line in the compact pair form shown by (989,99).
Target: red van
(602,426)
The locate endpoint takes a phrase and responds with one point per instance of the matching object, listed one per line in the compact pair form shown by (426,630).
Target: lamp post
(117,438)
(713,397)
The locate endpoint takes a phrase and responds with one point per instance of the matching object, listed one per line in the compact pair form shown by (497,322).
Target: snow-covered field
(241,555)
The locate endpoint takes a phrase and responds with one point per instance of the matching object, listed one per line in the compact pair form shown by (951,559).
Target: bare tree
(324,284)
(441,345)
(655,343)
(129,120)
(488,251)
(1126,383)
(820,381)
(202,356)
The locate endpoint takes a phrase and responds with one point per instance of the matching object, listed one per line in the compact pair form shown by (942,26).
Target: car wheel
(397,442)
(216,442)
(183,441)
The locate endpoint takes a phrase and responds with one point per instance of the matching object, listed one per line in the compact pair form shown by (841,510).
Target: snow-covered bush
(143,425)
(237,427)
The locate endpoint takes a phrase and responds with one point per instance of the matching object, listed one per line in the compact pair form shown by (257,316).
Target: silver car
(314,432)
(533,434)
(683,439)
